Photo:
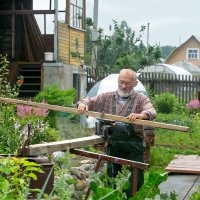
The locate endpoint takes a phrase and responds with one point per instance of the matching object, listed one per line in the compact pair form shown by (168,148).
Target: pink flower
(20,111)
(24,110)
(40,111)
(28,110)
(193,104)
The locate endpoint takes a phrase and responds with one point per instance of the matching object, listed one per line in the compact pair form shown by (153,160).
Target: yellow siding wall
(77,35)
(63,42)
(67,38)
(180,53)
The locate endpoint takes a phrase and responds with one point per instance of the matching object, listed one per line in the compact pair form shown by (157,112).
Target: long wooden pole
(96,114)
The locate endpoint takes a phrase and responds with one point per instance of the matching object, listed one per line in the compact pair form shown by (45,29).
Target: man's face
(125,86)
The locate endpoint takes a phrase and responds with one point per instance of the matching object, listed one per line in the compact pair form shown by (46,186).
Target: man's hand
(134,116)
(82,107)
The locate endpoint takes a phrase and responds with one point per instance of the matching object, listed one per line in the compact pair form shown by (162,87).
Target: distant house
(189,51)
(40,43)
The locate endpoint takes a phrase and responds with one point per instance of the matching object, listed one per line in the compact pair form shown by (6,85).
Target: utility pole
(95,33)
(148,43)
(148,36)
(56,30)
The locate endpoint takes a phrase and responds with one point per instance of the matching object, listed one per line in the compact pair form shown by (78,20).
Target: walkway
(184,177)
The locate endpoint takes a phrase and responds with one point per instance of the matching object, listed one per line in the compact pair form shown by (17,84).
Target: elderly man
(126,140)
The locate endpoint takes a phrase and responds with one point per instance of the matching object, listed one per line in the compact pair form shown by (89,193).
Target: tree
(122,49)
(166,50)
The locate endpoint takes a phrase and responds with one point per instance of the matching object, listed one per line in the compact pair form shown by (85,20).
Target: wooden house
(40,38)
(189,51)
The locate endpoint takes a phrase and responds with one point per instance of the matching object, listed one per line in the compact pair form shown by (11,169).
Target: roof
(193,36)
(165,68)
(197,38)
(188,66)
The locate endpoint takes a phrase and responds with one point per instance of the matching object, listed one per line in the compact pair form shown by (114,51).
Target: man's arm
(148,112)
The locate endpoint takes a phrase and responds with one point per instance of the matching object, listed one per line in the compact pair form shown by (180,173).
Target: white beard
(121,93)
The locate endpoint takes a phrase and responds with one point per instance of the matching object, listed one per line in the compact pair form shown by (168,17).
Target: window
(76,14)
(193,53)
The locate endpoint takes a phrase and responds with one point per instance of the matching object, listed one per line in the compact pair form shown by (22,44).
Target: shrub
(166,103)
(54,95)
(196,195)
(14,127)
(9,136)
(6,89)
(40,131)
(15,176)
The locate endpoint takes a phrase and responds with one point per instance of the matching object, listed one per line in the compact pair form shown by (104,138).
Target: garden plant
(14,121)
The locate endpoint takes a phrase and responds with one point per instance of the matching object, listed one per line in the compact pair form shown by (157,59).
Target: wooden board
(96,114)
(189,164)
(39,149)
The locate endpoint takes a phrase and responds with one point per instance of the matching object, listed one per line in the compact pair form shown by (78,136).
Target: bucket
(48,56)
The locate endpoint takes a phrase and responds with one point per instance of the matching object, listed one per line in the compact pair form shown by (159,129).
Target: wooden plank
(184,170)
(185,164)
(96,114)
(38,149)
(187,157)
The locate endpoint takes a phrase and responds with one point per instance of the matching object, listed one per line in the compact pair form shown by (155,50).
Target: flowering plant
(193,107)
(24,111)
(193,104)
(40,129)
(20,80)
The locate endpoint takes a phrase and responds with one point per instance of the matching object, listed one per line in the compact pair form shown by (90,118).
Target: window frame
(75,10)
(193,57)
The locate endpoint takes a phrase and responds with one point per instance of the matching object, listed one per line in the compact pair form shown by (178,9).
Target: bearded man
(126,140)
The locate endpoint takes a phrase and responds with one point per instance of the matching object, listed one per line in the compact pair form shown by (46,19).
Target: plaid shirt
(104,103)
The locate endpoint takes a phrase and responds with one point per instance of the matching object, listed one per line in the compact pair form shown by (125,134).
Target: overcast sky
(172,22)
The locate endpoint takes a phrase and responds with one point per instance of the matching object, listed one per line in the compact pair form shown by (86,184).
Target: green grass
(168,143)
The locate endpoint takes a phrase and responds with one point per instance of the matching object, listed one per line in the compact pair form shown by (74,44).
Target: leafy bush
(54,95)
(36,119)
(196,195)
(166,103)
(104,187)
(40,131)
(150,189)
(6,89)
(15,176)
(196,123)
(14,127)
(9,136)
(62,189)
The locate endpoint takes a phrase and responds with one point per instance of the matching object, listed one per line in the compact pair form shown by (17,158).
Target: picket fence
(185,87)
